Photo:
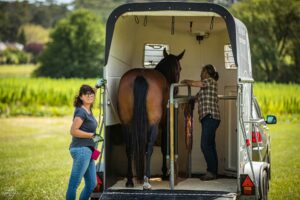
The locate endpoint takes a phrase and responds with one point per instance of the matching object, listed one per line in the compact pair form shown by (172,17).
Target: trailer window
(153,53)
(229,60)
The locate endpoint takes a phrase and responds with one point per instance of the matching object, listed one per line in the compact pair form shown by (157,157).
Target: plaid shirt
(208,99)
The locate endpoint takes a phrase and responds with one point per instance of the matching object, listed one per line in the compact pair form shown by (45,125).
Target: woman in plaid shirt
(209,116)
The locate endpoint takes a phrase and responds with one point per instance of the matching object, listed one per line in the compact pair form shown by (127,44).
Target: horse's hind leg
(152,134)
(128,141)
(164,152)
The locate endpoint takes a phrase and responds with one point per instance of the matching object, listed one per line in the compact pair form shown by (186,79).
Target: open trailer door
(125,41)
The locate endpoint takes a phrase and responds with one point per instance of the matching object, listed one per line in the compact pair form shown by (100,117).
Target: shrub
(76,48)
(35,49)
(13,56)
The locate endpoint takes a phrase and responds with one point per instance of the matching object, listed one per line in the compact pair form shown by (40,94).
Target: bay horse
(142,99)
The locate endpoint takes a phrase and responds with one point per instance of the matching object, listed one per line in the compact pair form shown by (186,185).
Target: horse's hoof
(129,184)
(147,186)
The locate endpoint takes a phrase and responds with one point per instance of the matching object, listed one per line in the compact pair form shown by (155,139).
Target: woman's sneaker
(208,176)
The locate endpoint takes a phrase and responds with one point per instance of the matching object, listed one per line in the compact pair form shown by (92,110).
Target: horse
(142,99)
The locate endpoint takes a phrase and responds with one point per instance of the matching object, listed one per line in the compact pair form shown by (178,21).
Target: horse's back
(155,99)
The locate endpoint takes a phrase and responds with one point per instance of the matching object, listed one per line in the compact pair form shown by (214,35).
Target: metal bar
(176,130)
(171,117)
(172,145)
(176,142)
(246,80)
(168,131)
(255,121)
(223,97)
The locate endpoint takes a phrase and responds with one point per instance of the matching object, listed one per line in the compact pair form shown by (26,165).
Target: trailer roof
(170,9)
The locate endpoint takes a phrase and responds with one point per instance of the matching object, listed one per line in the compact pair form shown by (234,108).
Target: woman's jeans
(208,144)
(83,166)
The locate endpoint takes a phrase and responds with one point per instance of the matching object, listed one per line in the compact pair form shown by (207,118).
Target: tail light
(256,137)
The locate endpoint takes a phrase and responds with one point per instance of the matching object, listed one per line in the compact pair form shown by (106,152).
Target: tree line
(273,26)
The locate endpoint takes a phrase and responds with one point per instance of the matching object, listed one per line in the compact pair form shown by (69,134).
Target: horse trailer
(136,35)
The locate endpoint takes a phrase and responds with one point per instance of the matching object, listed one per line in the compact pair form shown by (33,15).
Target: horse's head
(170,66)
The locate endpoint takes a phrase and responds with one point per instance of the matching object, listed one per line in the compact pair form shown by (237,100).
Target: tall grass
(21,95)
(54,97)
(22,71)
(39,96)
(277,98)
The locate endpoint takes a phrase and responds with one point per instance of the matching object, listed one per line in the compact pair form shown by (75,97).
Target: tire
(264,186)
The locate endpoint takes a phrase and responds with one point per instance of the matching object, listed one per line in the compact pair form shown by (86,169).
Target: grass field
(35,162)
(20,71)
(285,161)
(34,157)
(20,95)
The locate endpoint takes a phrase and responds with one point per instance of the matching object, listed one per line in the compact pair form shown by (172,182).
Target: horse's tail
(140,124)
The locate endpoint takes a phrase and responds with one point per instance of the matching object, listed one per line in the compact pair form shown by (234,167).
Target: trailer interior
(137,42)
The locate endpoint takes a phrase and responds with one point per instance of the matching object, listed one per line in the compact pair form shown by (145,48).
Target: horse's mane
(167,66)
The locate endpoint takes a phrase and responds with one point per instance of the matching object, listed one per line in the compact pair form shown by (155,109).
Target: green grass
(39,96)
(285,161)
(279,99)
(21,71)
(36,164)
(21,95)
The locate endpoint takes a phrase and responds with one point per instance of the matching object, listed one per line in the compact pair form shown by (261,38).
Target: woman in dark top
(82,130)
(209,116)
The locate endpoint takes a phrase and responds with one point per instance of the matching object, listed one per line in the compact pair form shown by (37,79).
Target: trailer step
(165,195)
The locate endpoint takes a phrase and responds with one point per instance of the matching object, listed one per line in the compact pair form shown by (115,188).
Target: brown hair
(84,89)
(211,71)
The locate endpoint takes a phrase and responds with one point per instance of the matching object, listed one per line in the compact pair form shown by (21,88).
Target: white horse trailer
(135,36)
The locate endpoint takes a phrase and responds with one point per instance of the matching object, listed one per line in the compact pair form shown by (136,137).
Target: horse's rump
(156,98)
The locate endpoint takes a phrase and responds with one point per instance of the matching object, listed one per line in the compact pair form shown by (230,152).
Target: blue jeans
(83,166)
(208,144)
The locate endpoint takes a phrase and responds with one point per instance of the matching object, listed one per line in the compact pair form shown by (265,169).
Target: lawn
(35,162)
(285,161)
(34,157)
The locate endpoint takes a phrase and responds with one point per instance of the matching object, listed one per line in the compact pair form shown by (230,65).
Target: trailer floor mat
(220,184)
(165,195)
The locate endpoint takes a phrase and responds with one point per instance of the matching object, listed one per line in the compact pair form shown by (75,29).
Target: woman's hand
(185,81)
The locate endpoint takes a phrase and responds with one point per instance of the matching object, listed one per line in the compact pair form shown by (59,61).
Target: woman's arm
(193,83)
(76,132)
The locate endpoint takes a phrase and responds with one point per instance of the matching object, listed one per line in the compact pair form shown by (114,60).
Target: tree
(76,49)
(31,33)
(272,33)
(17,13)
(102,8)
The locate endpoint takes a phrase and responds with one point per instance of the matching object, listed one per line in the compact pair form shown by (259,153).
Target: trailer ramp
(165,195)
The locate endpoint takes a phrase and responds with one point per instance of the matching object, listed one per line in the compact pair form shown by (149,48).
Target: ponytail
(212,72)
(216,76)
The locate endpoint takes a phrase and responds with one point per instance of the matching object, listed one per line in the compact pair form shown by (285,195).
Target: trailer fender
(258,168)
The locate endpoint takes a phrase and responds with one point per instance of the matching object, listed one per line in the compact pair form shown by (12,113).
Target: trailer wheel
(265,186)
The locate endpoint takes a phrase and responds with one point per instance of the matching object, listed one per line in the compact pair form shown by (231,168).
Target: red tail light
(258,137)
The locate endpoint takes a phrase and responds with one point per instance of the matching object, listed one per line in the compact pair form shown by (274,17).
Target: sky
(58,1)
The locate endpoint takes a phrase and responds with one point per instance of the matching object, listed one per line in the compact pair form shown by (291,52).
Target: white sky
(58,1)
